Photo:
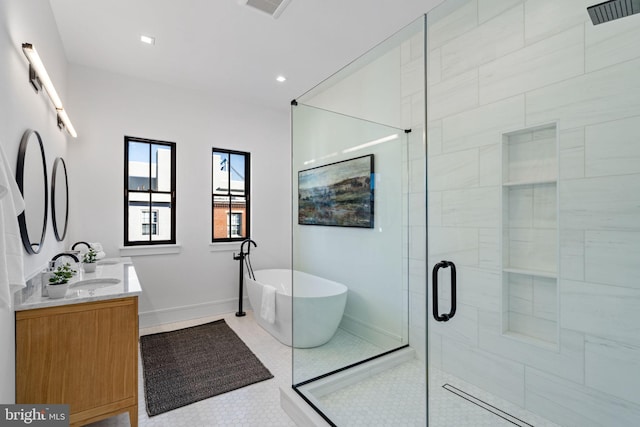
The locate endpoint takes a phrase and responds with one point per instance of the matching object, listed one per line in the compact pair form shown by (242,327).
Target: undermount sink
(94,283)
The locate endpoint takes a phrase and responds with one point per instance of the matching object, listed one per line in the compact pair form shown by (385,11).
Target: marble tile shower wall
(500,66)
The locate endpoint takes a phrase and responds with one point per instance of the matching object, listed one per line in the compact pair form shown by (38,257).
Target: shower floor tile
(447,409)
(397,397)
(342,350)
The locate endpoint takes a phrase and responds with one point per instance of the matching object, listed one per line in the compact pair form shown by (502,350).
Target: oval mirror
(59,198)
(31,176)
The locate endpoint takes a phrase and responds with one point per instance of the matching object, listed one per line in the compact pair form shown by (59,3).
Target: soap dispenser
(44,278)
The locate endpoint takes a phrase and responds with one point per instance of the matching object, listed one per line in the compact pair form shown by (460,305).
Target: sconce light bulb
(36,62)
(41,73)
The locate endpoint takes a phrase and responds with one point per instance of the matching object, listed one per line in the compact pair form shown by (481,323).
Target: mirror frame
(22,220)
(59,163)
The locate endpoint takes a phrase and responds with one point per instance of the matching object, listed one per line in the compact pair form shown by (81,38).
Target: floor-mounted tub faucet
(250,242)
(243,257)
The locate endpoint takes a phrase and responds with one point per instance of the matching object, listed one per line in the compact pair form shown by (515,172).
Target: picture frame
(338,194)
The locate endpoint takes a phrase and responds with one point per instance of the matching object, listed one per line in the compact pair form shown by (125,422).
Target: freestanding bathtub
(318,306)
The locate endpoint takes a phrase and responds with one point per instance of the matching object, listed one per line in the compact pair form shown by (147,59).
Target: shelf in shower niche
(549,345)
(537,273)
(532,182)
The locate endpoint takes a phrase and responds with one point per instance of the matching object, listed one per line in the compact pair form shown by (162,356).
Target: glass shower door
(533,194)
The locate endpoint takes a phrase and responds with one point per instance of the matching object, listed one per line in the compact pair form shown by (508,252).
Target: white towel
(98,248)
(268,308)
(11,252)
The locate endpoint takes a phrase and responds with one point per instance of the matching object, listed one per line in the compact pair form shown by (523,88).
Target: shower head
(613,9)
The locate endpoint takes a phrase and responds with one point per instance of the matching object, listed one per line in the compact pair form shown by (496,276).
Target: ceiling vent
(613,9)
(270,7)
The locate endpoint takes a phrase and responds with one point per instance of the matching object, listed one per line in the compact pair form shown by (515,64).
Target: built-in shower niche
(530,235)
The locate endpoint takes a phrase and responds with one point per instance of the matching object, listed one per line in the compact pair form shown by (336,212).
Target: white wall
(197,281)
(21,108)
(498,67)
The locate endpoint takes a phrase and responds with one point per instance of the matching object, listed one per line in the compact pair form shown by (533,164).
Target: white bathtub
(319,306)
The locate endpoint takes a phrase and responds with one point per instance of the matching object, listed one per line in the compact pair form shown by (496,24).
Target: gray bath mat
(188,365)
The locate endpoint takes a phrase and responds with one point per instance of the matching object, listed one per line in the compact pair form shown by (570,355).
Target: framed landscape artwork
(337,194)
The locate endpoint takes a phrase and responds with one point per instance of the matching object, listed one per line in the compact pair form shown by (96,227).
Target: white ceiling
(228,49)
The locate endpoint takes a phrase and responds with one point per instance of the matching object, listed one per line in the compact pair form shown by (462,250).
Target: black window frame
(247,197)
(150,191)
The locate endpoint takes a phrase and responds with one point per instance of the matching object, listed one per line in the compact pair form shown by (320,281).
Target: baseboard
(163,316)
(372,334)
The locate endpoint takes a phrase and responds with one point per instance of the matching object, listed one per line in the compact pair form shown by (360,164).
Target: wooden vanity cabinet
(84,355)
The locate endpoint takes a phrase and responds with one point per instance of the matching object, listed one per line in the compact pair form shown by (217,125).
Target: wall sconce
(39,78)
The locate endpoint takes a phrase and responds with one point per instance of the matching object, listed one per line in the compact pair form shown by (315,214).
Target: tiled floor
(251,406)
(396,397)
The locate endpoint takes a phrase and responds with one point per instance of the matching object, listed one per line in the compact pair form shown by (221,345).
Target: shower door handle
(434,284)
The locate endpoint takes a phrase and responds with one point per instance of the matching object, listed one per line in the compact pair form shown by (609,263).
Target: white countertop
(113,268)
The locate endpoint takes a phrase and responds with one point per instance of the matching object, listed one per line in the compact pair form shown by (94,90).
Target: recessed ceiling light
(148,39)
(281,79)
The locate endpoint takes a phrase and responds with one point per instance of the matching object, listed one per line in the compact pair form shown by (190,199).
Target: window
(150,192)
(235,222)
(229,195)
(149,222)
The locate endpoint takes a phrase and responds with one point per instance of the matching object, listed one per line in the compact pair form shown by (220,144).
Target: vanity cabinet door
(84,355)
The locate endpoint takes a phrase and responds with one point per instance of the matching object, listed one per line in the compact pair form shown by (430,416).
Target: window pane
(237,174)
(220,173)
(139,178)
(139,197)
(161,209)
(160,167)
(138,205)
(220,212)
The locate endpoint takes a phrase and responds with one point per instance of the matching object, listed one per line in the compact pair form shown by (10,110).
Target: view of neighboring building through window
(230,195)
(149,222)
(150,191)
